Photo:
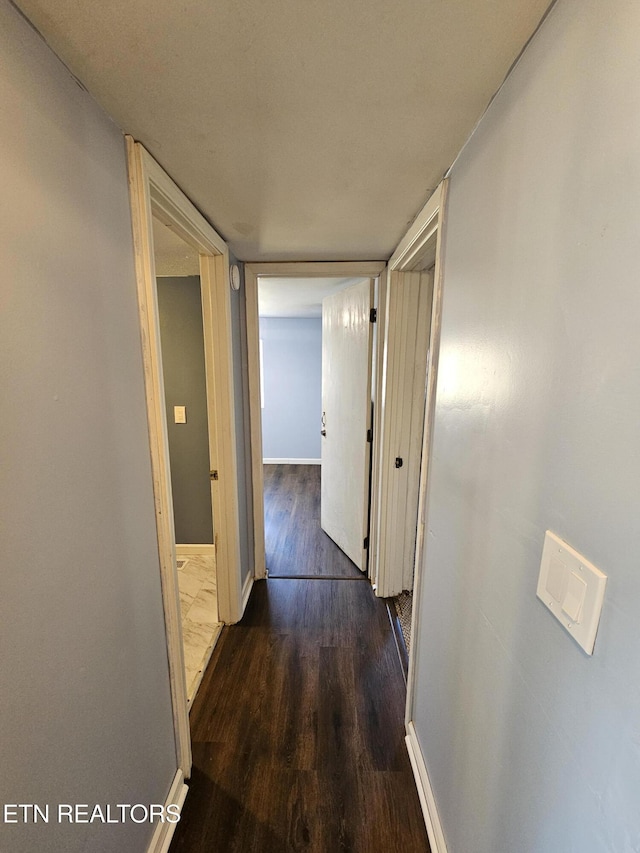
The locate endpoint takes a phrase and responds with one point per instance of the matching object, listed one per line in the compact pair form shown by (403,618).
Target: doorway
(184,371)
(294,482)
(419,253)
(153,193)
(412,303)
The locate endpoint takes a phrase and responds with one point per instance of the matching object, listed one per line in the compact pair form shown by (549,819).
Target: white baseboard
(194,550)
(246,591)
(163,833)
(291,461)
(425,792)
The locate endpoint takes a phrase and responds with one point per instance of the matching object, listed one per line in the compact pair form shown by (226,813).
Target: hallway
(298,732)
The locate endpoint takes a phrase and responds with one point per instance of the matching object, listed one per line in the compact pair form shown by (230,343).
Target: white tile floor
(199,607)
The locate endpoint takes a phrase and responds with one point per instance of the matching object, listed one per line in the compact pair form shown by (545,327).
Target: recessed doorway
(153,193)
(310,342)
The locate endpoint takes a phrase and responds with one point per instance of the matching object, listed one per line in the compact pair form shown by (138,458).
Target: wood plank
(295,542)
(298,735)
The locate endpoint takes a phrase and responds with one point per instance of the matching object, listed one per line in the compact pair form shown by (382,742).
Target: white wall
(532,746)
(85,709)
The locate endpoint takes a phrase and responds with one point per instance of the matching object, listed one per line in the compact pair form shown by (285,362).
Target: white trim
(216,301)
(427,438)
(163,833)
(320,269)
(205,549)
(420,246)
(205,663)
(425,792)
(167,202)
(291,461)
(420,232)
(254,375)
(153,193)
(140,195)
(378,404)
(246,591)
(261,373)
(362,269)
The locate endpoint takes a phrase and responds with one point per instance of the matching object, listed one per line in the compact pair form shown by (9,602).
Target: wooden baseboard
(425,792)
(163,833)
(195,550)
(291,461)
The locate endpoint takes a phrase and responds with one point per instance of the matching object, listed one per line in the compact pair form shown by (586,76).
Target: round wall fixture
(234,276)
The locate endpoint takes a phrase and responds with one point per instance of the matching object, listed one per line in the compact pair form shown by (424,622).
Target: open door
(346,406)
(413,304)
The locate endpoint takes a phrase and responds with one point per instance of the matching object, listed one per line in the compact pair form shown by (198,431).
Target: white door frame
(429,223)
(379,379)
(421,240)
(152,192)
(322,269)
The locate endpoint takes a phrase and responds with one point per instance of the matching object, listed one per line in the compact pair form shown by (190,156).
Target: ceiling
(302,130)
(172,256)
(297,297)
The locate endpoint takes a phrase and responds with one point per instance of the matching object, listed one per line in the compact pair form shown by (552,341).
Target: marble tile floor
(199,608)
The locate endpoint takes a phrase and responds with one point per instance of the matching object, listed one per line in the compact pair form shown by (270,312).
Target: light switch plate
(572,588)
(180,414)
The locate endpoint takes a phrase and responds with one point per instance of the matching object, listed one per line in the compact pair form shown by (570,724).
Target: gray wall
(84,686)
(530,744)
(182,336)
(292,356)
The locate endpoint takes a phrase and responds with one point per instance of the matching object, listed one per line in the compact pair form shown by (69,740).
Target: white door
(408,328)
(346,406)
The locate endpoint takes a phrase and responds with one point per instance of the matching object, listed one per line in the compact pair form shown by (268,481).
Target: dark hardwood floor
(295,543)
(298,726)
(298,730)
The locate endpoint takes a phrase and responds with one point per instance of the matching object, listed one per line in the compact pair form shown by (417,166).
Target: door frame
(286,269)
(152,192)
(429,223)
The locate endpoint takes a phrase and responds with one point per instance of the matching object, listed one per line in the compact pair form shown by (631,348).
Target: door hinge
(365,544)
(369,435)
(213,475)
(373,315)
